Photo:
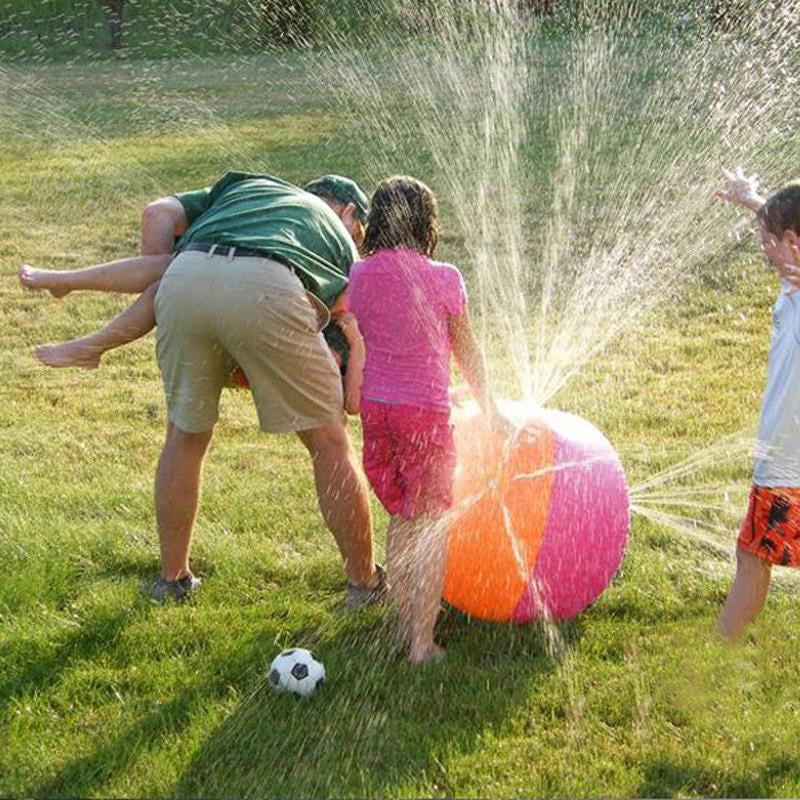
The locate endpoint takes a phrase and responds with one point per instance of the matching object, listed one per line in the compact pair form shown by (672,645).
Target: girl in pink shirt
(412,313)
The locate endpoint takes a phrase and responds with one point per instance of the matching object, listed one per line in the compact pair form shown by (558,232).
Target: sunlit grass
(102,693)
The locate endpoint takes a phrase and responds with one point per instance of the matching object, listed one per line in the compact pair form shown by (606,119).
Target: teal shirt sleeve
(198,201)
(195,203)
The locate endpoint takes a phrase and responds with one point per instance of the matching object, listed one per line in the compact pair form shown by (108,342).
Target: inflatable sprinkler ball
(540,521)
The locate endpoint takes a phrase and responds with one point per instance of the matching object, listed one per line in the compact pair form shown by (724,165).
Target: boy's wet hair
(403,213)
(781,211)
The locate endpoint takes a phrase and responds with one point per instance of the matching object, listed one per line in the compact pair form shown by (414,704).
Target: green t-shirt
(274,217)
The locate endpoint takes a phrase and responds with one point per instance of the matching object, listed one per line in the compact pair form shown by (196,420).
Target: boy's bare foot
(429,654)
(76,353)
(50,279)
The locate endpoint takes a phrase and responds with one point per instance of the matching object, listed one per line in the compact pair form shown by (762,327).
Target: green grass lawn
(103,693)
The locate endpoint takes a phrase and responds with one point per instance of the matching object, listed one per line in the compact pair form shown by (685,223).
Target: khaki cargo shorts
(216,311)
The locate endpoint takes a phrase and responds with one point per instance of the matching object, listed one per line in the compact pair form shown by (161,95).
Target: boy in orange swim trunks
(770,532)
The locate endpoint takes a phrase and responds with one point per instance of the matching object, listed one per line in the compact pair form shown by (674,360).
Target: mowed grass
(103,693)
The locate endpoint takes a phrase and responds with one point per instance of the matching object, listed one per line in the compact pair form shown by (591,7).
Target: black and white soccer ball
(297,671)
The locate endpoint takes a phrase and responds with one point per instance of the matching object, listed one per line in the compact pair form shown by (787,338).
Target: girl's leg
(128,276)
(133,323)
(400,567)
(430,547)
(746,597)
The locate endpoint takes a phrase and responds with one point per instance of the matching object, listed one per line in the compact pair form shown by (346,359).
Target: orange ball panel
(491,589)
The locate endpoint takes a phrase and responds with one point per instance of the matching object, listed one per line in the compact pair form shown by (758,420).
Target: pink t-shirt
(403,301)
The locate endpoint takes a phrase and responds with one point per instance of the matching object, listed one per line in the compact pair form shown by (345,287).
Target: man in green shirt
(275,218)
(259,263)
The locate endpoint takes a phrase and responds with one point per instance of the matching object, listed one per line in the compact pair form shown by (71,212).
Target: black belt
(232,250)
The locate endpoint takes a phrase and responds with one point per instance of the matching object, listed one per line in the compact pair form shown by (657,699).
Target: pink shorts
(409,458)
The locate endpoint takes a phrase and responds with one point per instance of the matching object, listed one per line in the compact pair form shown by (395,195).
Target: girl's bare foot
(429,654)
(400,641)
(75,353)
(50,279)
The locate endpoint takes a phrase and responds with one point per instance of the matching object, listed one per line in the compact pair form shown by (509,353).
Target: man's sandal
(175,590)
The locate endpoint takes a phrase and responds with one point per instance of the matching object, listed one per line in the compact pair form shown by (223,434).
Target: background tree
(289,23)
(114,15)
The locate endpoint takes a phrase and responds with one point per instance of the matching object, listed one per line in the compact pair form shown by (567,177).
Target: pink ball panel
(587,524)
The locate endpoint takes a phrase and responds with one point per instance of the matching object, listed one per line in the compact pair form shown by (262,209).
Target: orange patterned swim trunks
(771,527)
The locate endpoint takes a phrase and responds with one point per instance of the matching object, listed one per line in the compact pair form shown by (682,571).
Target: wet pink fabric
(409,458)
(403,302)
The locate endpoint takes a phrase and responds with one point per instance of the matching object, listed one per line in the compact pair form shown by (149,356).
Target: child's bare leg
(133,323)
(428,584)
(399,567)
(163,221)
(127,276)
(746,597)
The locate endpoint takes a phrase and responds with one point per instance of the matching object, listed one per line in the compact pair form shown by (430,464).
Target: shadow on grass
(43,664)
(377,725)
(87,774)
(84,776)
(667,778)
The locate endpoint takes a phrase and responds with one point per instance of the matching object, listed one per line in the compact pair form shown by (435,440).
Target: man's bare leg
(746,597)
(177,493)
(343,500)
(126,276)
(86,352)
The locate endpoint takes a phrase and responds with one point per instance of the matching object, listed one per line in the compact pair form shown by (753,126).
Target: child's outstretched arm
(355,360)
(740,190)
(743,191)
(471,360)
(128,276)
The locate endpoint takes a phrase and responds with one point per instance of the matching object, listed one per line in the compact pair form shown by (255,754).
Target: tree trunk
(286,23)
(537,8)
(114,9)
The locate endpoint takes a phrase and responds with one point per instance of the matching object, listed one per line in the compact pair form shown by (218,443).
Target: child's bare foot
(76,353)
(429,654)
(400,642)
(50,279)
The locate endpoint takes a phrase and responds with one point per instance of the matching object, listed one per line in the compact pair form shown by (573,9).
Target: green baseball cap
(343,189)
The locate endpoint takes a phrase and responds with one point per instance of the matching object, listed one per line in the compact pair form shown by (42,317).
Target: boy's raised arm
(740,190)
